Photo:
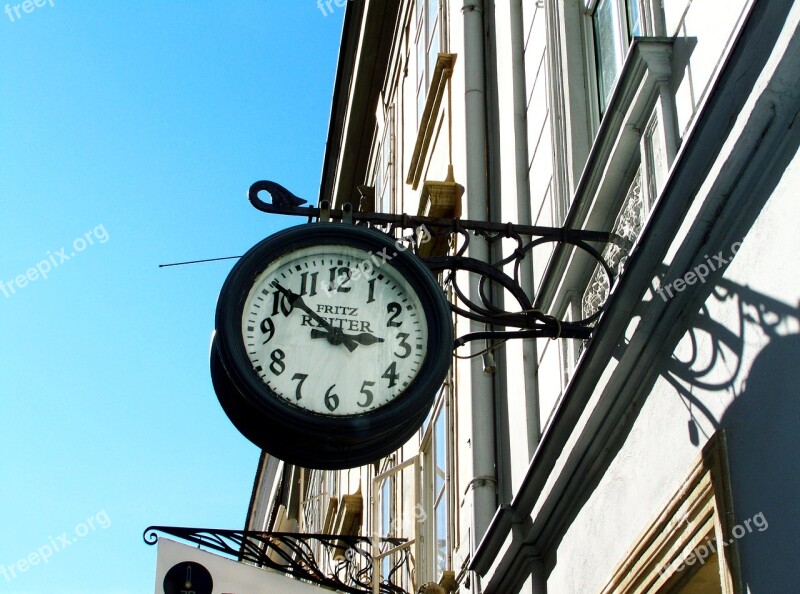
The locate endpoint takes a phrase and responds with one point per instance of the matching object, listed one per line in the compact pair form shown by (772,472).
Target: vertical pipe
(483,482)
(529,351)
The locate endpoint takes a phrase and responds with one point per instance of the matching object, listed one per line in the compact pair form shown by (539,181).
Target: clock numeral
(404,345)
(277,366)
(268,328)
(369,395)
(371,296)
(304,284)
(340,279)
(331,400)
(302,377)
(394,309)
(280,304)
(391,374)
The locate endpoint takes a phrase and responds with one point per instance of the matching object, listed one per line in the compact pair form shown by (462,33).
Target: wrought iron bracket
(525,321)
(344,563)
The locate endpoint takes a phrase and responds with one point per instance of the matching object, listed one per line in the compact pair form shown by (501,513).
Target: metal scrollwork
(524,321)
(331,560)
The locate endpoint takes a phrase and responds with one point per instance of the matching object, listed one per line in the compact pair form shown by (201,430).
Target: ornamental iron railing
(344,563)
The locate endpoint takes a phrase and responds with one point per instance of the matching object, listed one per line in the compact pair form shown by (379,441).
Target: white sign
(229,577)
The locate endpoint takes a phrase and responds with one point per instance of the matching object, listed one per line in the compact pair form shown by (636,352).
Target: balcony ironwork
(344,563)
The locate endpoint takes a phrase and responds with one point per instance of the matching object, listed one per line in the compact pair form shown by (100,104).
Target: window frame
(624,38)
(391,471)
(383,159)
(432,496)
(700,509)
(427,31)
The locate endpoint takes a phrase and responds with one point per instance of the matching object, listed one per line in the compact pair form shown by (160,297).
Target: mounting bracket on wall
(493,277)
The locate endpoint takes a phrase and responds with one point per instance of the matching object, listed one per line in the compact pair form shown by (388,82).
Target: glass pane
(421,63)
(386,566)
(379,184)
(440,452)
(387,141)
(634,19)
(656,160)
(441,538)
(333,484)
(420,103)
(607,46)
(386,511)
(433,13)
(433,52)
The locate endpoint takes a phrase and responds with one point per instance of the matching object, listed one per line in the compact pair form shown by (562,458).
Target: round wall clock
(331,343)
(188,577)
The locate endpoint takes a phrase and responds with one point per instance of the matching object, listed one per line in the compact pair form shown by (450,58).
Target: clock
(188,577)
(331,343)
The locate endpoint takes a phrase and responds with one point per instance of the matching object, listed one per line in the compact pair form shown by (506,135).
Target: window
(570,350)
(428,46)
(691,546)
(654,155)
(438,543)
(396,514)
(315,501)
(614,25)
(317,504)
(387,526)
(384,162)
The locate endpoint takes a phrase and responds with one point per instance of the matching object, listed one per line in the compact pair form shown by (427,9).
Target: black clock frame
(304,437)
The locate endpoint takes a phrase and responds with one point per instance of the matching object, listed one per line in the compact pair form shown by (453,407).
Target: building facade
(660,455)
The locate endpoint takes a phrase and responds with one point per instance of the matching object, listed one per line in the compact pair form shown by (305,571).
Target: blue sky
(129,134)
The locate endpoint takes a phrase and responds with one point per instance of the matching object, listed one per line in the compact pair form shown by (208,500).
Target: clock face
(331,344)
(334,329)
(188,577)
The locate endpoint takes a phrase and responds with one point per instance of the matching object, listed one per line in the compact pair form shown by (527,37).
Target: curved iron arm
(409,221)
(531,322)
(335,561)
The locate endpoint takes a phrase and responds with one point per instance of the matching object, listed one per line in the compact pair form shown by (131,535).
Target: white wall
(703,31)
(752,394)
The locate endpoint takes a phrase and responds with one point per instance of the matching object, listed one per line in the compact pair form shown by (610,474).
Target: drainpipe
(483,482)
(530,354)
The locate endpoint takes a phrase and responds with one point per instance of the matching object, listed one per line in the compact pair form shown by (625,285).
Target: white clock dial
(332,340)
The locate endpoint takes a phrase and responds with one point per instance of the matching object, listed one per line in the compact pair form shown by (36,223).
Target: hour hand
(335,336)
(364,338)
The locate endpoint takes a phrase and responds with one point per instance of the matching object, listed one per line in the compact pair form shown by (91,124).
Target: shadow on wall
(716,349)
(764,451)
(762,423)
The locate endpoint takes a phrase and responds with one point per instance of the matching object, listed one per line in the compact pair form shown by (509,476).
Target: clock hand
(364,338)
(336,336)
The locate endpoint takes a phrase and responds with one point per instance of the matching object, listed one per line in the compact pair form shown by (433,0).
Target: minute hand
(296,300)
